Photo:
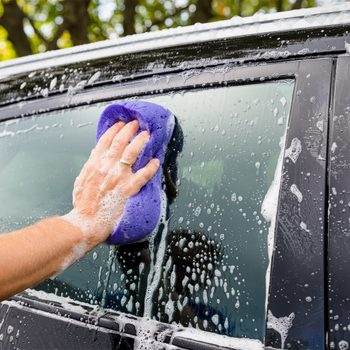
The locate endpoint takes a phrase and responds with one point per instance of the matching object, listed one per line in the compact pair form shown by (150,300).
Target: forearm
(32,254)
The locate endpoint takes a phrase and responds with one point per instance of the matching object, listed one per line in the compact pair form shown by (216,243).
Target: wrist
(69,240)
(91,234)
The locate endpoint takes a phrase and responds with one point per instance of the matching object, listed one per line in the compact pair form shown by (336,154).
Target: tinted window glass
(40,158)
(207,263)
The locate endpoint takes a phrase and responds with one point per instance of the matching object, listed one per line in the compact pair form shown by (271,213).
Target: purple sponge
(142,211)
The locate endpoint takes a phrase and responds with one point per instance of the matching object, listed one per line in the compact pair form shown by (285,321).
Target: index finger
(106,139)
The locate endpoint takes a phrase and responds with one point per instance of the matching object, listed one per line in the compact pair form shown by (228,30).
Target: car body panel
(339,226)
(297,277)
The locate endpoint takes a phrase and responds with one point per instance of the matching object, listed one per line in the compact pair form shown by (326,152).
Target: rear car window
(206,266)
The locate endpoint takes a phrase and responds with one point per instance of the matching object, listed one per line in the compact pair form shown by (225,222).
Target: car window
(205,266)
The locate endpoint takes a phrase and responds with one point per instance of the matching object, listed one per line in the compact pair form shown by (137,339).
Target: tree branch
(76,20)
(279,5)
(297,5)
(239,6)
(12,20)
(177,12)
(36,30)
(204,11)
(129,16)
(52,44)
(96,23)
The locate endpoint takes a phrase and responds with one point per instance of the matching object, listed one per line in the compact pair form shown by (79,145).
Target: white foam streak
(281,325)
(269,211)
(156,265)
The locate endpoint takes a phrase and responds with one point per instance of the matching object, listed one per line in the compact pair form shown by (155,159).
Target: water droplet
(197,211)
(53,83)
(94,77)
(45,92)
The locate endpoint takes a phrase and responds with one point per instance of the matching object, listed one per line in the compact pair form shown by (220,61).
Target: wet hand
(107,181)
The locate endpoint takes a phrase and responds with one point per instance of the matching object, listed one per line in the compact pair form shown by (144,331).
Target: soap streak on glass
(156,265)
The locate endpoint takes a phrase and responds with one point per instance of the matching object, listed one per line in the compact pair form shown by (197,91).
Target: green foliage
(49,24)
(6,49)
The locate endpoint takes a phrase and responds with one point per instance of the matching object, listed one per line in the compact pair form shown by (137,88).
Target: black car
(255,250)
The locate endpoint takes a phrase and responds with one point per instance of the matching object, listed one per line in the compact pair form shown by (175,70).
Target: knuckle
(109,154)
(124,189)
(103,171)
(117,176)
(132,154)
(117,143)
(141,180)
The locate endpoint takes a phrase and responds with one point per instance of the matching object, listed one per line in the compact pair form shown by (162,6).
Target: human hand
(104,184)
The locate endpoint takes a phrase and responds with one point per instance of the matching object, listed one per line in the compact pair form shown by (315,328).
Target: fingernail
(156,161)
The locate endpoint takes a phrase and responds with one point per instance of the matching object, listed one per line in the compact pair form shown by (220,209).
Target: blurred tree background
(32,26)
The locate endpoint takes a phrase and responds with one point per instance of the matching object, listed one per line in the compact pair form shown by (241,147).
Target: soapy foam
(150,334)
(110,206)
(111,259)
(269,211)
(295,190)
(156,266)
(78,251)
(294,150)
(281,325)
(64,302)
(12,303)
(343,345)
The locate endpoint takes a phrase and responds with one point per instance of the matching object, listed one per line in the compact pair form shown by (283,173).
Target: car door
(238,262)
(338,228)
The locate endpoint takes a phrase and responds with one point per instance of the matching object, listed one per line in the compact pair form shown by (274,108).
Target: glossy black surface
(30,320)
(297,276)
(339,211)
(27,329)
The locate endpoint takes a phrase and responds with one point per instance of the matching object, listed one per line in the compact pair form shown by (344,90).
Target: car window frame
(219,76)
